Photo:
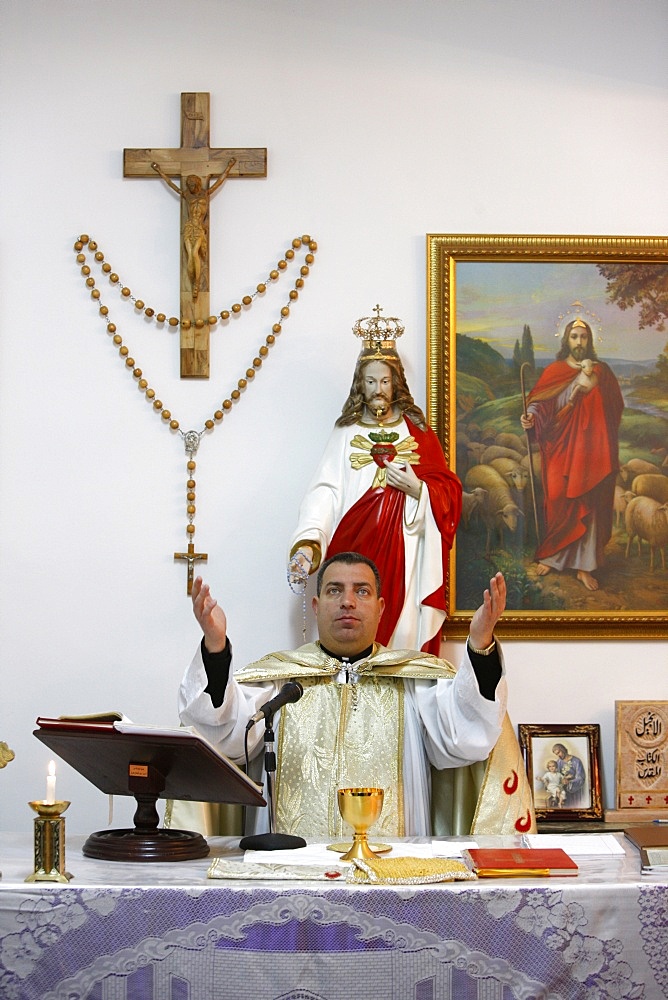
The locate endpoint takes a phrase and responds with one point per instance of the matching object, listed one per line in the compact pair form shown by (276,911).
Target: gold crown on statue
(379,333)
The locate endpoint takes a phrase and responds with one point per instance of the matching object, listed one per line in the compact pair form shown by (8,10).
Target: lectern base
(158,845)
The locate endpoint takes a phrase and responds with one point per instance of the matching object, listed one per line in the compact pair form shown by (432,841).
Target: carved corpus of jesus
(195,228)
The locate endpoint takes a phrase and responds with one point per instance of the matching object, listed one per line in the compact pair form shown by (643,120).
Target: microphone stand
(271,841)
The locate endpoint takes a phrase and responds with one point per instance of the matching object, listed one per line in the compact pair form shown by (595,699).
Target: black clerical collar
(348,659)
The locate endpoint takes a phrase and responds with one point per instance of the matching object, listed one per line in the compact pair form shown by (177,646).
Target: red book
(102,722)
(502,862)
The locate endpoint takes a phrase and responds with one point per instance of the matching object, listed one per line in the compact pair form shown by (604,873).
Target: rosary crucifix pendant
(191,440)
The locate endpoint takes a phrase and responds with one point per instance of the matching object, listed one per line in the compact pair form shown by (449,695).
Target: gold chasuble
(341,735)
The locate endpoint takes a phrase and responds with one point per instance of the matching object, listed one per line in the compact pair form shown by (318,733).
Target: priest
(368,715)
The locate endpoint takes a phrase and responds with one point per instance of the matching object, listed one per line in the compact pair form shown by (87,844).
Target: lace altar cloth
(157,931)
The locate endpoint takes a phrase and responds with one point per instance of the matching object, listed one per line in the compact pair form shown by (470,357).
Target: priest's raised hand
(210,616)
(481,630)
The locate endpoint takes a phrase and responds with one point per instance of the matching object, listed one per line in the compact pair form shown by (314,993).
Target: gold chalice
(360,808)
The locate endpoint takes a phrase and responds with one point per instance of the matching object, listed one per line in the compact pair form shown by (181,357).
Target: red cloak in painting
(578,440)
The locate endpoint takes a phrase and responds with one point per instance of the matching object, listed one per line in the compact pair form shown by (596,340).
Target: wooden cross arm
(201,161)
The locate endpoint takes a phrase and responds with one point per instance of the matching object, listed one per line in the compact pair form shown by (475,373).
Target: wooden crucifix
(191,557)
(195,163)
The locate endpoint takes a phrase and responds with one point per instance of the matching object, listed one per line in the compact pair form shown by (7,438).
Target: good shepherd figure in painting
(575,410)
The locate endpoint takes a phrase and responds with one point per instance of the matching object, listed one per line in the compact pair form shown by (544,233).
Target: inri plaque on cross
(195,163)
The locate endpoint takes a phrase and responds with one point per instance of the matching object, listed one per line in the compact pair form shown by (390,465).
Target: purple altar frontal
(139,931)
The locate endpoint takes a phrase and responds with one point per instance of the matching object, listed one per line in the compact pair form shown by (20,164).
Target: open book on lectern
(114,754)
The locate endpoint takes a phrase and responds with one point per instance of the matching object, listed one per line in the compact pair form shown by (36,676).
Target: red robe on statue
(374,527)
(578,440)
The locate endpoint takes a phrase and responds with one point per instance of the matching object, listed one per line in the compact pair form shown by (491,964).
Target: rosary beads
(192,438)
(297,580)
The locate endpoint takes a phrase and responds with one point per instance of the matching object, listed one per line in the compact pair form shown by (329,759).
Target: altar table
(161,931)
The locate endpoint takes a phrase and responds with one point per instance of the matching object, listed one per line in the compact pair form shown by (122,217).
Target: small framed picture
(563,767)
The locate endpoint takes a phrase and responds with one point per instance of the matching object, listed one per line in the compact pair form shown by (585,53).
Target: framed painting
(548,387)
(563,768)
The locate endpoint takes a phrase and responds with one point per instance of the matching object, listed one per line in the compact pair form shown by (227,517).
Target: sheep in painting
(475,450)
(471,502)
(508,440)
(647,518)
(496,451)
(514,474)
(637,467)
(533,463)
(620,503)
(498,510)
(655,486)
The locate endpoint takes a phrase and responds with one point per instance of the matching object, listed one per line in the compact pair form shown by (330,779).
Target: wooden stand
(149,766)
(146,842)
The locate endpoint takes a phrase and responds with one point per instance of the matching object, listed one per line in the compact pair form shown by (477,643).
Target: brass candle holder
(360,808)
(49,842)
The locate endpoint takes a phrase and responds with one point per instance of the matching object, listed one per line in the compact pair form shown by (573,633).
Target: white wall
(383,121)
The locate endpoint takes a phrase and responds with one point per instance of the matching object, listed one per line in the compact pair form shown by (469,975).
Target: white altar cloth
(160,931)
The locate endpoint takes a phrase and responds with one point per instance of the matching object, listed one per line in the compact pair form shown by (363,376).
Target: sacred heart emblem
(381,447)
(383,451)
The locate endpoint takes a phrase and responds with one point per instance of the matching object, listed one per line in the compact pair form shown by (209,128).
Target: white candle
(51,783)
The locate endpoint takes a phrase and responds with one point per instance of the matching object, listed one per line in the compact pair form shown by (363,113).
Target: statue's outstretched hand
(210,616)
(299,566)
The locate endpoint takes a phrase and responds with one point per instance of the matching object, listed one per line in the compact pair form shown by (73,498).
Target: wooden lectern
(148,764)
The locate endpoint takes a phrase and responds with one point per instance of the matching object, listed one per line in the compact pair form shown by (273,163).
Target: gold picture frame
(563,767)
(493,302)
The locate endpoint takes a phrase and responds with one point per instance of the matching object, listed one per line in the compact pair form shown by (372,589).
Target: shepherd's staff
(531,472)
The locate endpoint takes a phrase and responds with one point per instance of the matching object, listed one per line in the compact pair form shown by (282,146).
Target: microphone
(291,691)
